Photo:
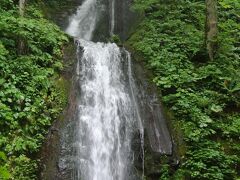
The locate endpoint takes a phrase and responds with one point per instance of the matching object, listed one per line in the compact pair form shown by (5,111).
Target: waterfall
(112,12)
(107,112)
(82,24)
(114,114)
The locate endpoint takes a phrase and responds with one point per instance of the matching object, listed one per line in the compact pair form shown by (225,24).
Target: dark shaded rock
(155,122)
(159,146)
(51,167)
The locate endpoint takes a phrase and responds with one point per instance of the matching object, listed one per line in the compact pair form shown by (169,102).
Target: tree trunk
(21,7)
(211,27)
(21,42)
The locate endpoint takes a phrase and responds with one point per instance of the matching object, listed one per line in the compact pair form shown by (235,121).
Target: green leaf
(4,174)
(216,108)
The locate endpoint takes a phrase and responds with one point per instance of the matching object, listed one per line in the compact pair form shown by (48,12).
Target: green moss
(115,39)
(62,90)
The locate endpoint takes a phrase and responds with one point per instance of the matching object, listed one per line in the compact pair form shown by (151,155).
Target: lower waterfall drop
(107,114)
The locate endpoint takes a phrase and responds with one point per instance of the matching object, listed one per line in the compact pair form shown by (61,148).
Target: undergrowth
(29,94)
(202,95)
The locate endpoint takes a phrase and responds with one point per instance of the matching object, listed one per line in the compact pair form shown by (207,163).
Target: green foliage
(28,89)
(203,96)
(115,39)
(143,4)
(208,161)
(165,172)
(4,173)
(24,168)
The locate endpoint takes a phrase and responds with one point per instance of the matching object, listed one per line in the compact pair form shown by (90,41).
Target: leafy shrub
(28,89)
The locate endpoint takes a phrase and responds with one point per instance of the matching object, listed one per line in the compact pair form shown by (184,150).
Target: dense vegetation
(30,62)
(203,95)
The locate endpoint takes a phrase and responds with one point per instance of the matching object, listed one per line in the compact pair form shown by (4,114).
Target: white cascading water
(106,114)
(107,109)
(112,11)
(82,24)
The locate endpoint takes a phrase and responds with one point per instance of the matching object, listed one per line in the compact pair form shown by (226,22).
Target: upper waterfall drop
(83,22)
(112,12)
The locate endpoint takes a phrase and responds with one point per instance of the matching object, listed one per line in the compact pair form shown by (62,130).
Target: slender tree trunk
(21,7)
(211,27)
(21,42)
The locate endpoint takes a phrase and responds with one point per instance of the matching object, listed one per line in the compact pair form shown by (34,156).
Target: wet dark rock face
(152,114)
(60,11)
(159,146)
(126,19)
(51,167)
